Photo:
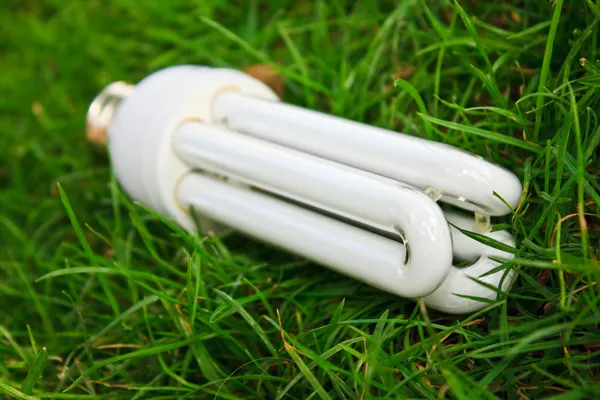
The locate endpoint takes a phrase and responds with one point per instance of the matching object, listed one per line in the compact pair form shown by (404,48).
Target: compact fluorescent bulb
(343,194)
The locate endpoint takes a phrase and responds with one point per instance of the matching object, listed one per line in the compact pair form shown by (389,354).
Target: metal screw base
(102,109)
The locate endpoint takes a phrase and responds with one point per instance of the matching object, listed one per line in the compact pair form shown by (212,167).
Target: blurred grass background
(101,299)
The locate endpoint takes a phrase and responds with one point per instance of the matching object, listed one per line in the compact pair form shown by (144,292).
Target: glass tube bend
(468,281)
(324,185)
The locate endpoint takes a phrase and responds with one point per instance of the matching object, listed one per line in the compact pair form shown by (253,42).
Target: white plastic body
(181,119)
(140,137)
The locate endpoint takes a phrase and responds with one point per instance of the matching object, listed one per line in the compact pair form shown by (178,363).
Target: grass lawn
(101,299)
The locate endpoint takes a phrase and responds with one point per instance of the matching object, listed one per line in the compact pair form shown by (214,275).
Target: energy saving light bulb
(346,195)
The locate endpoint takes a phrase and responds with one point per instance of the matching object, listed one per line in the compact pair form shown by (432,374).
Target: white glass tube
(475,280)
(463,179)
(362,197)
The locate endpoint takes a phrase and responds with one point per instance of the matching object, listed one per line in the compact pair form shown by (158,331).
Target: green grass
(99,298)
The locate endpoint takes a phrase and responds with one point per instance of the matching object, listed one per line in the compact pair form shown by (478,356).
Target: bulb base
(140,124)
(102,109)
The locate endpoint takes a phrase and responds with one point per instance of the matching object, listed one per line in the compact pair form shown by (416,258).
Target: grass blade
(310,377)
(496,137)
(16,393)
(130,356)
(35,371)
(249,319)
(545,73)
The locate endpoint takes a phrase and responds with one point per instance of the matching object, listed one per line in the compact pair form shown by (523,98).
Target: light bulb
(343,194)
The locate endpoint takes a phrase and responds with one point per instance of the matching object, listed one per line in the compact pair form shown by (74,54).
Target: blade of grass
(496,137)
(129,356)
(16,393)
(35,371)
(310,377)
(249,319)
(545,72)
